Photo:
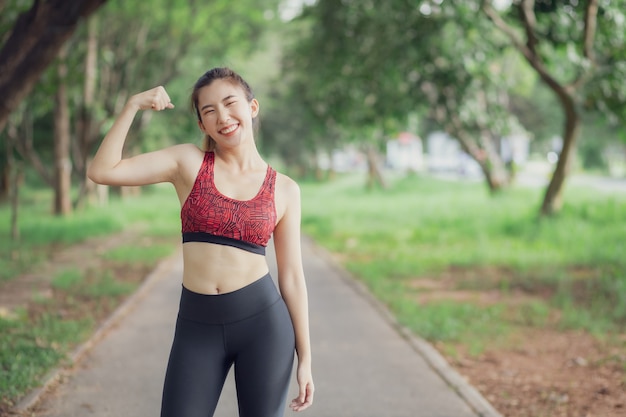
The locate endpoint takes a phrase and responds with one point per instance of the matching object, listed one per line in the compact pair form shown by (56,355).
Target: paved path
(362,365)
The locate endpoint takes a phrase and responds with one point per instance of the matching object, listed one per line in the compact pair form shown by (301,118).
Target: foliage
(137,45)
(376,65)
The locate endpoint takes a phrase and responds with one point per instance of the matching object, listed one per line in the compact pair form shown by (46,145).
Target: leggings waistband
(229,307)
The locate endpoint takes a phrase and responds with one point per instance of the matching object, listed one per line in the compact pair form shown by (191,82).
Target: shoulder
(288,204)
(186,150)
(287,195)
(287,186)
(186,154)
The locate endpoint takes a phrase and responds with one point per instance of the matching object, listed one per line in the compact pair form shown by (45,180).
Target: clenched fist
(153,99)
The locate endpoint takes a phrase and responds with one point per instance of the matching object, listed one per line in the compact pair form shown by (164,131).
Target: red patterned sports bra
(209,216)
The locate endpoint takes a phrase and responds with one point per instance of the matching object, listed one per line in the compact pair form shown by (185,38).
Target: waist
(229,307)
(210,268)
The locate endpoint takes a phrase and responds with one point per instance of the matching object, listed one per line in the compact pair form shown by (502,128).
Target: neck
(240,158)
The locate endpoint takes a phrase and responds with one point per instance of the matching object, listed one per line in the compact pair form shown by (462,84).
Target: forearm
(295,295)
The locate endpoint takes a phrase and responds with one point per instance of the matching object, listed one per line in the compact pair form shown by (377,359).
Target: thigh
(196,371)
(263,368)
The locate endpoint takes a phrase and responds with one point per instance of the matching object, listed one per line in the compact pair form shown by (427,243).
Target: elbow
(94,175)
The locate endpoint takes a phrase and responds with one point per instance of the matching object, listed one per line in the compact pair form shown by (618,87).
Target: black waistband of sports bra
(223,240)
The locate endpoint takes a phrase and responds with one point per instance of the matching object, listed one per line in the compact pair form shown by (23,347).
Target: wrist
(132,105)
(304,360)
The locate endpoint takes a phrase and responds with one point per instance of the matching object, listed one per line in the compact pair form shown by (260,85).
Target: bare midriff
(218,269)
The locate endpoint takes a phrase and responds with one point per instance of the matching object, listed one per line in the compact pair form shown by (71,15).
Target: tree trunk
(16,180)
(13,178)
(491,165)
(24,146)
(5,183)
(553,198)
(374,174)
(62,161)
(85,125)
(493,168)
(37,37)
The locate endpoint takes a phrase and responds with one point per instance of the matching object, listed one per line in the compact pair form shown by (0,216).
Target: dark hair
(222,73)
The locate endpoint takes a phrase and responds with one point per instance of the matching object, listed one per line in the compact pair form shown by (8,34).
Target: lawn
(423,239)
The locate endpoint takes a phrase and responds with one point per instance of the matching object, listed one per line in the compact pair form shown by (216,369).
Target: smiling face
(225,113)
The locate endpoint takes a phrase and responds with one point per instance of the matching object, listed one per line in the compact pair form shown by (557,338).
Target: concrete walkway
(363,366)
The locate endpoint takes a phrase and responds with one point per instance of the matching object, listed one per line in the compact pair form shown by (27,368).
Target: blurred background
(466,159)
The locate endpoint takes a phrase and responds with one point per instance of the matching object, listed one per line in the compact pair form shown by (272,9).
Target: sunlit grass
(146,254)
(28,349)
(155,212)
(422,228)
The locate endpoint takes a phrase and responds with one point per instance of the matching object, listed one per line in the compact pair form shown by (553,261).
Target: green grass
(38,338)
(156,212)
(67,279)
(422,228)
(144,254)
(28,349)
(107,286)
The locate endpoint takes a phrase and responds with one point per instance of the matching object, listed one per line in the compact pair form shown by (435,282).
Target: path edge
(433,358)
(32,398)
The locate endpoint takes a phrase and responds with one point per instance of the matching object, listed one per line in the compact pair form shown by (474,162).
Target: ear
(201,126)
(254,106)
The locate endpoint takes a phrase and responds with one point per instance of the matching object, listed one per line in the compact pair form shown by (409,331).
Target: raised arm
(293,286)
(109,168)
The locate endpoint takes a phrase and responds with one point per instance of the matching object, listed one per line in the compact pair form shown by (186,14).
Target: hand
(154,99)
(305,382)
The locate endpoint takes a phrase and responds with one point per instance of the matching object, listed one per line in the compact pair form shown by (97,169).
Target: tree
(374,65)
(34,42)
(579,56)
(62,162)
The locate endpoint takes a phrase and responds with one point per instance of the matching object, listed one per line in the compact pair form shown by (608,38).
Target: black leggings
(250,328)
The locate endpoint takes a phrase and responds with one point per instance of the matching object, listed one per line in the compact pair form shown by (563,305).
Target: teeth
(229,129)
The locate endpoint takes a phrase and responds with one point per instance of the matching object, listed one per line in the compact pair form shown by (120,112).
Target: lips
(229,129)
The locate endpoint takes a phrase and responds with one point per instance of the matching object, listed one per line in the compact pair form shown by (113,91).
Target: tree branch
(37,36)
(591,20)
(529,20)
(531,56)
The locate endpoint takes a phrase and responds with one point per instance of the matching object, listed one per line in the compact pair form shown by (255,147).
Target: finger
(303,402)
(300,407)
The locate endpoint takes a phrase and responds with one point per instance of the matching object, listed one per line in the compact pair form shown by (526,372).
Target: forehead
(217,91)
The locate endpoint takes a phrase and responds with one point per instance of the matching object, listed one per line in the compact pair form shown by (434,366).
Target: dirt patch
(550,374)
(543,372)
(19,292)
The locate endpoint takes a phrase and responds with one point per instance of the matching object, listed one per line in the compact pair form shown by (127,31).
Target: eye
(230,102)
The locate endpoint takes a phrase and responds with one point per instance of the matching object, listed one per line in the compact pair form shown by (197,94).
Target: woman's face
(225,113)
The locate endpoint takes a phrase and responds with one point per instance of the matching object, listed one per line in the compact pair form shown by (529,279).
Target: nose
(223,116)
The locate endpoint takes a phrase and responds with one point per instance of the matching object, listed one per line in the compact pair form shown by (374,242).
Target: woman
(232,202)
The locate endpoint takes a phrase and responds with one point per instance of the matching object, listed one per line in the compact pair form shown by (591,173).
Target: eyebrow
(224,99)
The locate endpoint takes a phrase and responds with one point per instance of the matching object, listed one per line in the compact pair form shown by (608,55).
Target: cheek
(205,122)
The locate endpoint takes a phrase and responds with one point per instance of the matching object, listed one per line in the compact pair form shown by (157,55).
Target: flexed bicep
(108,165)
